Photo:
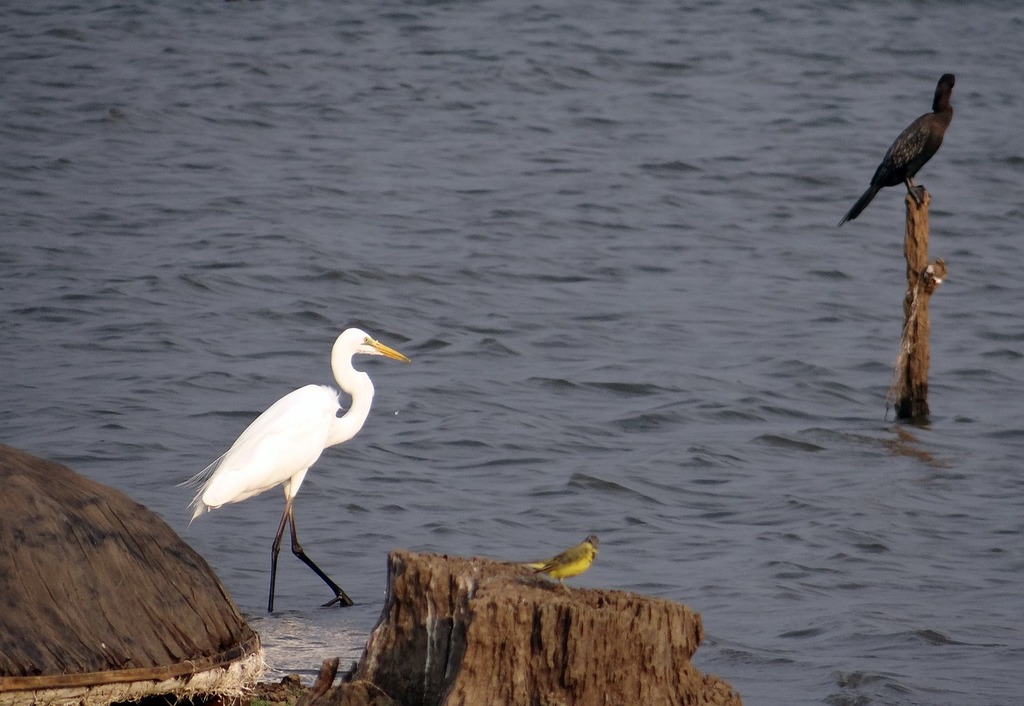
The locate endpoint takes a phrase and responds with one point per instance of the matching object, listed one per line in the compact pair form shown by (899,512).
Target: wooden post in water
(909,390)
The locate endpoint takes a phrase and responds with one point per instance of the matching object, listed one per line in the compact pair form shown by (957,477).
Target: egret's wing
(202,475)
(286,439)
(197,504)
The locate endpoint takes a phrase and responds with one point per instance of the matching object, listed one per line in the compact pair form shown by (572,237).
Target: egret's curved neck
(358,385)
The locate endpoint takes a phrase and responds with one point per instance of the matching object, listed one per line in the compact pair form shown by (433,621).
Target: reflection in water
(907,445)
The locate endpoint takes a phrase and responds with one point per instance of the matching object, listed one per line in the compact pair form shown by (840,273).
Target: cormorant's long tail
(861,204)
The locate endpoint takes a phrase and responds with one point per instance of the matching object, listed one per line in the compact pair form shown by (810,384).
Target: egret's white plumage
(277,448)
(282,443)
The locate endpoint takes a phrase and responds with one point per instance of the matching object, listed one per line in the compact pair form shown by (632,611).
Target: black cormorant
(911,150)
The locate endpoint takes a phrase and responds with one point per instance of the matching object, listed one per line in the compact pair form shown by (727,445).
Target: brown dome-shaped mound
(101,601)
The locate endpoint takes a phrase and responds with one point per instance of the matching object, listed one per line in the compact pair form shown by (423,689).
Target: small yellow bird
(572,562)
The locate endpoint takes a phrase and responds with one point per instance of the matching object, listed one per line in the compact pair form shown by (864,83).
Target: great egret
(908,153)
(283,442)
(572,562)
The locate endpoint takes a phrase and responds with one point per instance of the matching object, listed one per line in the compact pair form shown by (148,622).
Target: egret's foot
(341,599)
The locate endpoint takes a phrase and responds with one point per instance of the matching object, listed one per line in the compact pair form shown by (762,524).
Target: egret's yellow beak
(385,350)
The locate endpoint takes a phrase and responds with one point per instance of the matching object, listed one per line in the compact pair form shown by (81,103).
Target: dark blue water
(605,234)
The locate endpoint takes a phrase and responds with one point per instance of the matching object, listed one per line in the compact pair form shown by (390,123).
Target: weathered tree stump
(465,632)
(909,390)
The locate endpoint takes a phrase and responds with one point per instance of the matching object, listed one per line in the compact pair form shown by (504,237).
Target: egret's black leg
(339,595)
(276,549)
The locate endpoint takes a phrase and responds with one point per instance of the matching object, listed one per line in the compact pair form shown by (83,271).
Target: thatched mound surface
(95,590)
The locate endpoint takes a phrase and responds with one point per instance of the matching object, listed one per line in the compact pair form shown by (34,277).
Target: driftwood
(465,632)
(101,601)
(323,683)
(909,390)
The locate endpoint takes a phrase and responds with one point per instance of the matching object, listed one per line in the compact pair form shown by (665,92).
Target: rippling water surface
(605,234)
